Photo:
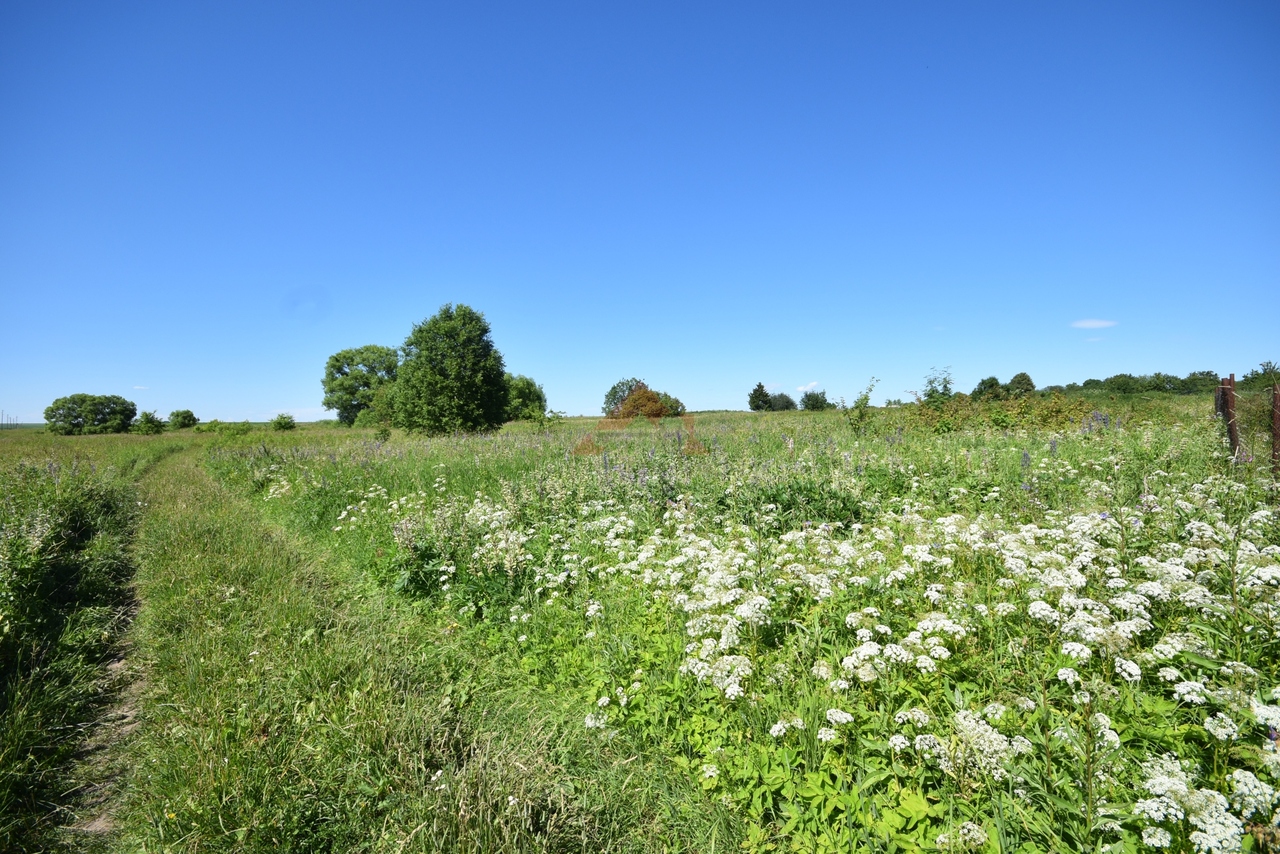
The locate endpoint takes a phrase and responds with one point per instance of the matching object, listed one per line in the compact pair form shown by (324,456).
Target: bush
(781,402)
(815,401)
(226,428)
(452,379)
(758,399)
(352,379)
(90,413)
(526,401)
(283,421)
(148,424)
(181,419)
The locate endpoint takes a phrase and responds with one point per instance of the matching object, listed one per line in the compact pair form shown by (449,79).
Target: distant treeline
(1196,382)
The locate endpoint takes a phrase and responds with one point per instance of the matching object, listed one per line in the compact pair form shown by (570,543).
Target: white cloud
(810,387)
(142,387)
(1092,323)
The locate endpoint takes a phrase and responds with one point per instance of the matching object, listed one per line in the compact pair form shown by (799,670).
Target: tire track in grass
(288,704)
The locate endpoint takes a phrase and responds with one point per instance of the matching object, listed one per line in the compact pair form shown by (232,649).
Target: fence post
(1225,405)
(1275,431)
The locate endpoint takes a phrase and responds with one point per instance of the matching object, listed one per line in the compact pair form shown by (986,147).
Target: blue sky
(200,202)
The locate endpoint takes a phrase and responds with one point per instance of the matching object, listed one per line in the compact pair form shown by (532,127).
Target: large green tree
(451,379)
(352,378)
(90,413)
(758,399)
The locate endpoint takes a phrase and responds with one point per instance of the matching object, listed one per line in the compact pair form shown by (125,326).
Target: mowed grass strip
(292,705)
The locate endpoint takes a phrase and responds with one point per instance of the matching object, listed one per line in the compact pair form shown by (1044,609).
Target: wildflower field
(1057,636)
(1052,631)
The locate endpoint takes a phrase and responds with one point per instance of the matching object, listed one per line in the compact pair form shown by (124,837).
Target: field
(1047,628)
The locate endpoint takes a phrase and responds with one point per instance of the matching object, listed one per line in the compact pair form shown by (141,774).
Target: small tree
(619,392)
(352,378)
(988,389)
(181,419)
(937,387)
(781,402)
(90,413)
(758,399)
(526,401)
(815,401)
(452,377)
(1020,386)
(283,421)
(147,424)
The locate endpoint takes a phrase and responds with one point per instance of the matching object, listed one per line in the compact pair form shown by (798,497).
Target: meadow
(1045,626)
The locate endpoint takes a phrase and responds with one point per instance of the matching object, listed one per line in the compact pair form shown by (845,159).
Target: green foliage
(989,389)
(1020,386)
(283,421)
(452,378)
(225,428)
(859,414)
(90,413)
(624,388)
(937,388)
(672,404)
(148,424)
(1196,382)
(353,377)
(815,401)
(526,401)
(781,402)
(617,393)
(181,419)
(1264,376)
(758,399)
(64,570)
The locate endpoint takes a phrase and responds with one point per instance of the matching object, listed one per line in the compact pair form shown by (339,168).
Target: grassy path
(287,704)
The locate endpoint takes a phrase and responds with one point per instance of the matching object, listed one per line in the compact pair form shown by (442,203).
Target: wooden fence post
(1225,404)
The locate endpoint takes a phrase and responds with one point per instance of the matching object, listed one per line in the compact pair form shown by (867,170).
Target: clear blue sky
(200,202)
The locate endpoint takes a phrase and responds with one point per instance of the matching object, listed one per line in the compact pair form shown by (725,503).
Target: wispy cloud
(142,387)
(810,387)
(1092,323)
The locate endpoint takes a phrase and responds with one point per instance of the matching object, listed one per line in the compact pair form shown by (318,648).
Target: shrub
(758,399)
(353,377)
(181,419)
(452,377)
(815,401)
(526,401)
(937,387)
(283,421)
(781,402)
(90,413)
(148,424)
(226,428)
